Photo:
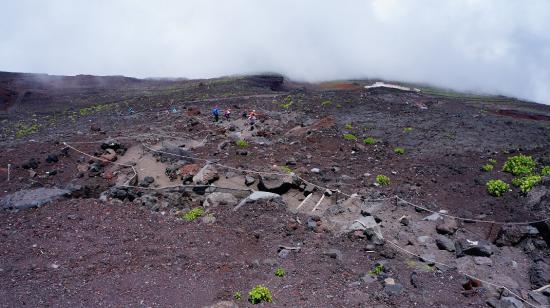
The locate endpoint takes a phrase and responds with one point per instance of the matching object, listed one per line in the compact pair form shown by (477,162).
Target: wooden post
(299,206)
(320,200)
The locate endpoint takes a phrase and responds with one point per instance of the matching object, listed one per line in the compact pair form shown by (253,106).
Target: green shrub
(369,141)
(526,183)
(349,126)
(259,294)
(377,270)
(338,105)
(492,161)
(518,165)
(286,105)
(286,169)
(280,272)
(350,137)
(399,151)
(487,167)
(326,103)
(193,214)
(383,180)
(22,130)
(545,171)
(497,187)
(241,143)
(237,296)
(407,129)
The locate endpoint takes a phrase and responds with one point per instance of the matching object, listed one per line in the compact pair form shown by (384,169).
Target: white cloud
(495,46)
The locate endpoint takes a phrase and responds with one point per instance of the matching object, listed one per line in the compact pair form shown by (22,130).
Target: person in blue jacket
(216,113)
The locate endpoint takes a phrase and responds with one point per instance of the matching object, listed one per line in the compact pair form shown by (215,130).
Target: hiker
(216,113)
(244,115)
(130,110)
(252,119)
(227,114)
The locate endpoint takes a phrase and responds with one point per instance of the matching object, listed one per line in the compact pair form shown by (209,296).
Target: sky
(488,46)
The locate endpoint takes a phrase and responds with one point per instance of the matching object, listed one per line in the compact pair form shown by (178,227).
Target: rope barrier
(395,245)
(104,160)
(472,219)
(208,161)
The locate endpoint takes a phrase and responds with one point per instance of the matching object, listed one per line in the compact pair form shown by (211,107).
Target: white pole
(299,206)
(318,203)
(9,167)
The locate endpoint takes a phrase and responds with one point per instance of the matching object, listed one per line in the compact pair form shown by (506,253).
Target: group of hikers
(251,116)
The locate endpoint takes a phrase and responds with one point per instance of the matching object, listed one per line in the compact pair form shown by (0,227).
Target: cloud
(492,46)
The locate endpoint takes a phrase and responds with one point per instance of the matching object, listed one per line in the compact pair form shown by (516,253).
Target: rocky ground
(105,172)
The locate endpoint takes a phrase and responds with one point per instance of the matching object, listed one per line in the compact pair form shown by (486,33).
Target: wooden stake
(299,206)
(320,200)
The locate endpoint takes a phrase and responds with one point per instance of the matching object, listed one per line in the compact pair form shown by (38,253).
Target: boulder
(220,198)
(109,155)
(249,180)
(447,226)
(370,228)
(260,196)
(473,248)
(52,158)
(510,302)
(187,172)
(112,144)
(539,274)
(483,261)
(433,217)
(512,235)
(275,183)
(539,298)
(31,164)
(428,258)
(544,229)
(370,208)
(206,175)
(30,198)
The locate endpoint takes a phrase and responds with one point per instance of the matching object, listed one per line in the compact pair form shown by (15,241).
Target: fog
(489,46)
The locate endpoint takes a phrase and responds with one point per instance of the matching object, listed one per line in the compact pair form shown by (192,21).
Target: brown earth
(83,252)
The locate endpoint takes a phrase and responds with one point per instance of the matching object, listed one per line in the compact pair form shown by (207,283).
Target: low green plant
(492,161)
(93,109)
(338,105)
(287,105)
(349,126)
(487,167)
(519,165)
(259,294)
(237,296)
(326,103)
(377,270)
(382,180)
(350,137)
(545,171)
(280,272)
(497,187)
(399,151)
(193,214)
(22,130)
(369,141)
(407,129)
(241,143)
(526,183)
(286,169)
